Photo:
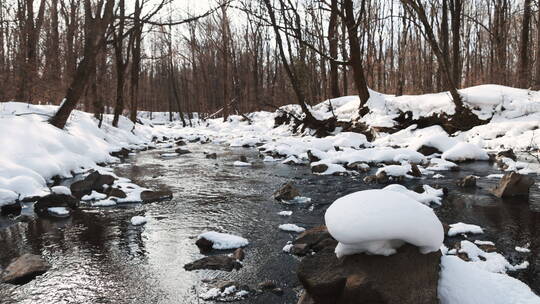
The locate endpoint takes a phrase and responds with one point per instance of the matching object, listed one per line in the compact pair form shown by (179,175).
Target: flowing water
(98,257)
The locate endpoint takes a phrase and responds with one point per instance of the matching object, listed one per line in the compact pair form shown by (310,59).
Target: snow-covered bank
(514,119)
(33,151)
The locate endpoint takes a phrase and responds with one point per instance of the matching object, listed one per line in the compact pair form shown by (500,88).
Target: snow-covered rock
(291,228)
(463,283)
(379,221)
(462,228)
(138,220)
(222,241)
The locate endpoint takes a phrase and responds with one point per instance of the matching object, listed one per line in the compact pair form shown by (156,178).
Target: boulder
(214,262)
(513,184)
(468,181)
(115,192)
(320,168)
(55,200)
(181,143)
(243,159)
(358,166)
(94,181)
(428,150)
(149,196)
(312,158)
(415,171)
(11,209)
(405,277)
(507,153)
(286,192)
(181,151)
(24,269)
(239,254)
(382,178)
(122,153)
(204,245)
(211,155)
(314,239)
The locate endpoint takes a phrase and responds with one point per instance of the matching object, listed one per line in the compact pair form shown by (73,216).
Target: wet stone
(24,269)
(214,262)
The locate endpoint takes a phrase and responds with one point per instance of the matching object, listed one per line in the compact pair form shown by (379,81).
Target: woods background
(155,57)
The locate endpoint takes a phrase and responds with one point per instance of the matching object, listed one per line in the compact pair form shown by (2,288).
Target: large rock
(24,269)
(428,150)
(181,151)
(406,277)
(513,184)
(94,181)
(11,209)
(314,239)
(122,153)
(320,168)
(55,200)
(286,192)
(148,196)
(214,262)
(204,245)
(468,181)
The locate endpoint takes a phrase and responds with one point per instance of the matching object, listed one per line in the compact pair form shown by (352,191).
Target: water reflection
(98,257)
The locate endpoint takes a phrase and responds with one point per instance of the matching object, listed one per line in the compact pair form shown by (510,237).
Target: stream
(97,256)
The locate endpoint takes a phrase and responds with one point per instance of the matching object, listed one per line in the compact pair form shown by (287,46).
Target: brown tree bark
(94,39)
(524,74)
(356,54)
(333,49)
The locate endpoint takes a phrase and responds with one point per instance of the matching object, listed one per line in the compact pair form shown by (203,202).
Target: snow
(380,221)
(479,242)
(138,220)
(26,166)
(58,211)
(288,247)
(222,241)
(395,170)
(522,249)
(93,196)
(462,228)
(291,228)
(489,261)
(7,197)
(285,213)
(463,283)
(438,164)
(104,203)
(241,164)
(465,151)
(61,190)
(169,155)
(430,195)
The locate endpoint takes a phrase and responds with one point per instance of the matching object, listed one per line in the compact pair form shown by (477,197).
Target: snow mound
(58,211)
(138,220)
(222,241)
(7,197)
(291,228)
(380,221)
(430,194)
(61,190)
(464,151)
(460,228)
(285,213)
(241,164)
(463,283)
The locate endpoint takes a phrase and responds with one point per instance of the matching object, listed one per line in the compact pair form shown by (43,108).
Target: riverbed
(98,257)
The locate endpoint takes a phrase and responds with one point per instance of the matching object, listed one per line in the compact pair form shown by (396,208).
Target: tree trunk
(333,49)
(523,65)
(356,55)
(93,40)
